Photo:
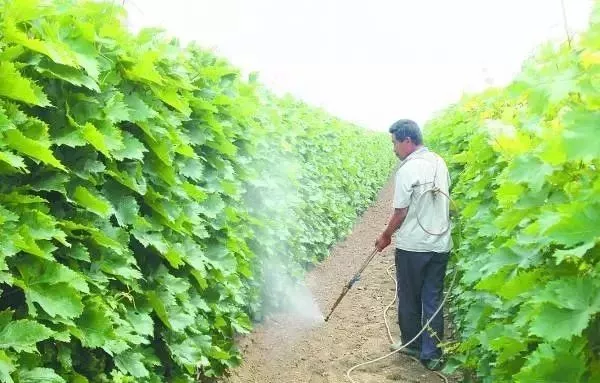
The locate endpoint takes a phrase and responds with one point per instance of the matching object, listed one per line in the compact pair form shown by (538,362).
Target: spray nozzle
(354,279)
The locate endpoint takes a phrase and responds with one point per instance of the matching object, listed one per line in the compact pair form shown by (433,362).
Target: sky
(369,62)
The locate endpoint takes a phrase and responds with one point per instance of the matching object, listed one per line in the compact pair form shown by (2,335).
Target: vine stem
(565,23)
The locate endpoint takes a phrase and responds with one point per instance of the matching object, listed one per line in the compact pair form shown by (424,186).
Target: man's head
(406,137)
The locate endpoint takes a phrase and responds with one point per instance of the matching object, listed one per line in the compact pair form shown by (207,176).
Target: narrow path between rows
(284,349)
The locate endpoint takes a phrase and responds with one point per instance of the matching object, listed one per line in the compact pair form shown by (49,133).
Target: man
(422,224)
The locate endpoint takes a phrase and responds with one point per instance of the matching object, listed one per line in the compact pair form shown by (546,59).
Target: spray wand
(351,282)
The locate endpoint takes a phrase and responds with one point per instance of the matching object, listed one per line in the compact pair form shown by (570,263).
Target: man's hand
(382,242)
(395,221)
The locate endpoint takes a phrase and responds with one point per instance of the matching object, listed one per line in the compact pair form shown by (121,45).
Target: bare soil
(284,349)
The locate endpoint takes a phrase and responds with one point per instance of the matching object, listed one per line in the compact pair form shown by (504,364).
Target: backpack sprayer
(434,190)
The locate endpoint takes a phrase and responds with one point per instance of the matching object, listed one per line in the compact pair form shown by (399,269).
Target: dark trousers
(420,288)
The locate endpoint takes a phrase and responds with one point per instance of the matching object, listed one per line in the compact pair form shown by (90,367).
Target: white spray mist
(296,300)
(283,289)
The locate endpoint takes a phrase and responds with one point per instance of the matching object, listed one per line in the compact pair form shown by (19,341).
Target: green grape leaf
(95,138)
(85,53)
(217,353)
(55,50)
(58,299)
(191,169)
(133,149)
(561,85)
(40,375)
(553,323)
(580,126)
(509,193)
(115,109)
(158,307)
(132,364)
(94,327)
(129,175)
(572,292)
(179,318)
(138,109)
(42,226)
(523,282)
(577,225)
(22,335)
(172,98)
(126,207)
(7,367)
(576,252)
(92,202)
(17,87)
(40,271)
(220,257)
(530,170)
(189,352)
(145,70)
(175,255)
(508,347)
(24,11)
(51,182)
(79,252)
(567,307)
(68,74)
(28,244)
(32,148)
(13,160)
(552,364)
(212,206)
(224,146)
(142,322)
(121,265)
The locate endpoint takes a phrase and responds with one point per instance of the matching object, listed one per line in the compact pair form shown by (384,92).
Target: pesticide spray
(298,301)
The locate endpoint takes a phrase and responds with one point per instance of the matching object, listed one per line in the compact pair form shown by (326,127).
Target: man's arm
(395,222)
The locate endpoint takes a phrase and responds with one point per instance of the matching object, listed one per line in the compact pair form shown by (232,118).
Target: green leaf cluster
(525,161)
(144,188)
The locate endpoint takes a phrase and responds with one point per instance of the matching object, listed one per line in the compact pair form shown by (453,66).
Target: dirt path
(283,350)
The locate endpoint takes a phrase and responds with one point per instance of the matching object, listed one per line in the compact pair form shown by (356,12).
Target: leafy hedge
(525,162)
(144,191)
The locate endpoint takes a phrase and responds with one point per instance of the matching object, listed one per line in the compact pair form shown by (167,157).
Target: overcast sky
(370,62)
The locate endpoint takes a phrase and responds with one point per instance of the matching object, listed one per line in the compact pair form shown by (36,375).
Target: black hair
(403,129)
